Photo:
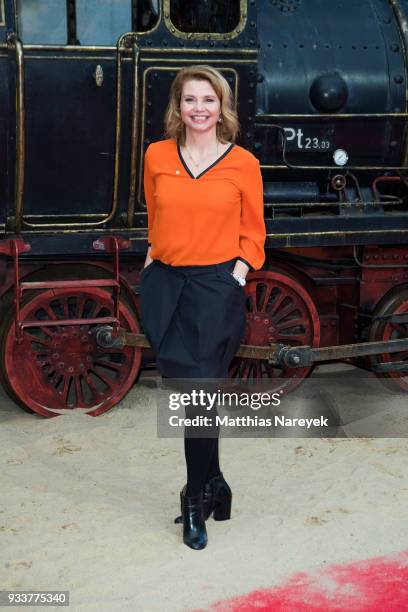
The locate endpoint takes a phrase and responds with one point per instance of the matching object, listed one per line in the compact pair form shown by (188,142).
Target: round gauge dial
(340,157)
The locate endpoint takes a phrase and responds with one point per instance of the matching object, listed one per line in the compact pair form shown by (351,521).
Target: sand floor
(87,505)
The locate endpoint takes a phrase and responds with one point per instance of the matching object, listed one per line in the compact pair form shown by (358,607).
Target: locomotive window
(205,16)
(42,22)
(101,22)
(2,12)
(145,14)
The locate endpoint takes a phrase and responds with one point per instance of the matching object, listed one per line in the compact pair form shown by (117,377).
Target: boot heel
(179,519)
(222,510)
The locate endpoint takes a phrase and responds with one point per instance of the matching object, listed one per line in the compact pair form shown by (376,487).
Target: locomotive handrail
(134,133)
(326,116)
(287,166)
(374,204)
(12,39)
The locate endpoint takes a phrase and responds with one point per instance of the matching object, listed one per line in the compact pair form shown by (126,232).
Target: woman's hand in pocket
(148,259)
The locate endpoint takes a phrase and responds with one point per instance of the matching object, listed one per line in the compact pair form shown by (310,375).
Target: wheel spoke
(266,296)
(292,324)
(49,331)
(234,369)
(251,293)
(246,367)
(117,351)
(91,385)
(258,368)
(105,379)
(80,303)
(401,329)
(80,400)
(281,314)
(65,308)
(38,339)
(51,314)
(109,364)
(276,304)
(99,311)
(65,388)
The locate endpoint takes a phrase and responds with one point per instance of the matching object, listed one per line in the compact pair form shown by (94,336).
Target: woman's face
(199,106)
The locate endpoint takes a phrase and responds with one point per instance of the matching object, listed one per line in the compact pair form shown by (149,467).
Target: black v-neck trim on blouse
(209,167)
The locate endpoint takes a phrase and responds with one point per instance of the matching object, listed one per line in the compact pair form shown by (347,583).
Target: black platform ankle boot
(221,498)
(207,503)
(194,531)
(217,498)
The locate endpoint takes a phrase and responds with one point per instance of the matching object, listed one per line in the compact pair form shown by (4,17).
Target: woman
(206,230)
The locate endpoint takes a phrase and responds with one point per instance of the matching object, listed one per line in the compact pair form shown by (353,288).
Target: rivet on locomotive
(321,90)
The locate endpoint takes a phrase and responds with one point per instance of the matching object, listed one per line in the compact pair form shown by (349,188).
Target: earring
(219,119)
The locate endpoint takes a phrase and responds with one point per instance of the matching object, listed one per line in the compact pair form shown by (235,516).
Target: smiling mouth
(199,118)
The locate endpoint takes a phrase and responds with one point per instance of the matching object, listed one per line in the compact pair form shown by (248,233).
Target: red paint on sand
(374,585)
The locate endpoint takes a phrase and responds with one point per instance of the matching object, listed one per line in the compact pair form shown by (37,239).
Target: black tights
(201,453)
(202,456)
(202,461)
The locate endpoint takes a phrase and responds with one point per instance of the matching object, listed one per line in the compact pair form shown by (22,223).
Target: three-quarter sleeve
(148,183)
(252,227)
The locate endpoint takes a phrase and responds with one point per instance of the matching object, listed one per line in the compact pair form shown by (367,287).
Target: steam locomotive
(321,93)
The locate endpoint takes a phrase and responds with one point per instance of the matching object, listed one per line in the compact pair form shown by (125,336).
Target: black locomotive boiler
(321,92)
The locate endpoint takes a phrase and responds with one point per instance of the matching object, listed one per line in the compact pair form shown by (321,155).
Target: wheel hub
(71,352)
(260,330)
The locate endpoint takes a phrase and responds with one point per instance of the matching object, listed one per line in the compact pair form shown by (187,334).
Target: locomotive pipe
(291,192)
(276,354)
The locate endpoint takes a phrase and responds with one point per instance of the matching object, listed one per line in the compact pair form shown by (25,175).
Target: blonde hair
(227,129)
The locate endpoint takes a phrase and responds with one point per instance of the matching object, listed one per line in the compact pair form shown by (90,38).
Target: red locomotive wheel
(55,369)
(397,303)
(279,311)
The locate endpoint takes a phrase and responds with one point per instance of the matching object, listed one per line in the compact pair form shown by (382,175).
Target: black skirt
(193,316)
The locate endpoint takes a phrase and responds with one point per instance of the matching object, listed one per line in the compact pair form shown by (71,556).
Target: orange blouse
(205,220)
